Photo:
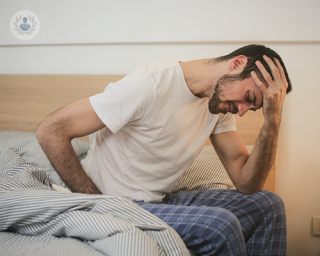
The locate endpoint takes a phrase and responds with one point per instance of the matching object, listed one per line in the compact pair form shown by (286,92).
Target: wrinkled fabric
(109,225)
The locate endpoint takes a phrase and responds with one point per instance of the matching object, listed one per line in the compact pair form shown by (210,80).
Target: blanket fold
(110,225)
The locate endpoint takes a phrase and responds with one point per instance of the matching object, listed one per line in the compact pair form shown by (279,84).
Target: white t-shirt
(155,129)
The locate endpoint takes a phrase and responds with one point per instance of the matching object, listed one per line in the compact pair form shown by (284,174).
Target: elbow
(249,190)
(51,131)
(42,133)
(46,131)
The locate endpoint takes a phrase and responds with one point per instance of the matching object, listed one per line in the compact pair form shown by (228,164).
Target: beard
(224,84)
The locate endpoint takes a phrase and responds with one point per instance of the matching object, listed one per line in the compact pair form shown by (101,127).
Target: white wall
(167,20)
(141,32)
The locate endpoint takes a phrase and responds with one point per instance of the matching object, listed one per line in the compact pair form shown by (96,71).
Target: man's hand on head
(253,172)
(275,92)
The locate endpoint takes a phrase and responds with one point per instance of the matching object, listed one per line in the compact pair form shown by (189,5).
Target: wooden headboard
(25,100)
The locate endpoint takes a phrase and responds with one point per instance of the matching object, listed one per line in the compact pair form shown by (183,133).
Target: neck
(202,75)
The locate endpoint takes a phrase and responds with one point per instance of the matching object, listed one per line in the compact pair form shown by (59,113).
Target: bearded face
(216,104)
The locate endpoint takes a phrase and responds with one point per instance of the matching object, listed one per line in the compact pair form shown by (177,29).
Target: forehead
(248,83)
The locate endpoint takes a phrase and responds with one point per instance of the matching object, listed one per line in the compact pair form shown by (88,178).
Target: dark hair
(255,52)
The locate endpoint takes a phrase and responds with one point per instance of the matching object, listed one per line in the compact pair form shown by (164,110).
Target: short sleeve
(125,101)
(225,123)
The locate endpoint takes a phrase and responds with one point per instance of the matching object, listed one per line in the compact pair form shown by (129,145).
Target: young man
(153,123)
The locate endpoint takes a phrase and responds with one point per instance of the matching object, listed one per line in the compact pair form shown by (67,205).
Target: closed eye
(247,97)
(250,101)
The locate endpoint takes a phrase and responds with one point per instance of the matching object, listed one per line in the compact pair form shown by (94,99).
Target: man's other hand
(274,91)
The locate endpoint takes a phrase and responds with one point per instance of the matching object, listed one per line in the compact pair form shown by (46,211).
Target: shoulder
(153,76)
(156,68)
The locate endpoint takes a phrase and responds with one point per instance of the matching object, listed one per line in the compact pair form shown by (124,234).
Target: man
(154,122)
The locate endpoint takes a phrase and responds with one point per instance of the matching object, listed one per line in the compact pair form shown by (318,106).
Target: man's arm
(249,172)
(55,134)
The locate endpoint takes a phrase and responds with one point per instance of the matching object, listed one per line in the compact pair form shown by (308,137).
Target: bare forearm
(65,161)
(256,169)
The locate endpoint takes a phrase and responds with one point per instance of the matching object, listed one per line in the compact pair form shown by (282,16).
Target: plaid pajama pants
(225,222)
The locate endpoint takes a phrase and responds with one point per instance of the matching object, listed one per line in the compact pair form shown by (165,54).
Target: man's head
(234,91)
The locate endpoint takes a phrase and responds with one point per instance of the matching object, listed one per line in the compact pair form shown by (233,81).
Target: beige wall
(299,154)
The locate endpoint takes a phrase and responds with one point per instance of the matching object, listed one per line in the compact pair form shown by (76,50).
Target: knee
(271,201)
(215,223)
(218,232)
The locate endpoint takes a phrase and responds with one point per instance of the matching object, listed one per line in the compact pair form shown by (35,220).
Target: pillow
(29,149)
(206,172)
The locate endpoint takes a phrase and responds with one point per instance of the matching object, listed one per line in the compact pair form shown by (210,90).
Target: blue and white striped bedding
(37,220)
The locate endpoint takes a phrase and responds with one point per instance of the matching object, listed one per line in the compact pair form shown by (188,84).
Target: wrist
(271,127)
(273,118)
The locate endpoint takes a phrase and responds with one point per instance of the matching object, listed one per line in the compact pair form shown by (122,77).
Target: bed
(39,217)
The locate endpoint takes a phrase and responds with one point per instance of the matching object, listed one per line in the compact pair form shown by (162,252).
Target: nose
(243,108)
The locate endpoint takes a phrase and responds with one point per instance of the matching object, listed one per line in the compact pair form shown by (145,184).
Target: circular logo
(25,25)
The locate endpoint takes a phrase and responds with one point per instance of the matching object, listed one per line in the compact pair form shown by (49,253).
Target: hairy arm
(249,172)
(55,134)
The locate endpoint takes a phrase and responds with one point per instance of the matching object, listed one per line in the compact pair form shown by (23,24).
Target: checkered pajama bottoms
(225,222)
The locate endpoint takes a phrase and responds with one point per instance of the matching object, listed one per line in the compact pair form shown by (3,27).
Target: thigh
(239,204)
(226,198)
(205,230)
(257,204)
(261,215)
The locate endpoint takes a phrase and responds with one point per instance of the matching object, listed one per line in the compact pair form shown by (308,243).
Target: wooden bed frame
(25,100)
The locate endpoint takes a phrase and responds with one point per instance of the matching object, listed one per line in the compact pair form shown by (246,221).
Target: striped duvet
(37,220)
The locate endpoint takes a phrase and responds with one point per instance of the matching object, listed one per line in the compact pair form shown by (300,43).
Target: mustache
(234,107)
(213,107)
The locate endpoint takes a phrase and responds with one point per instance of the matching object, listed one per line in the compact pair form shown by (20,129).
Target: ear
(238,63)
